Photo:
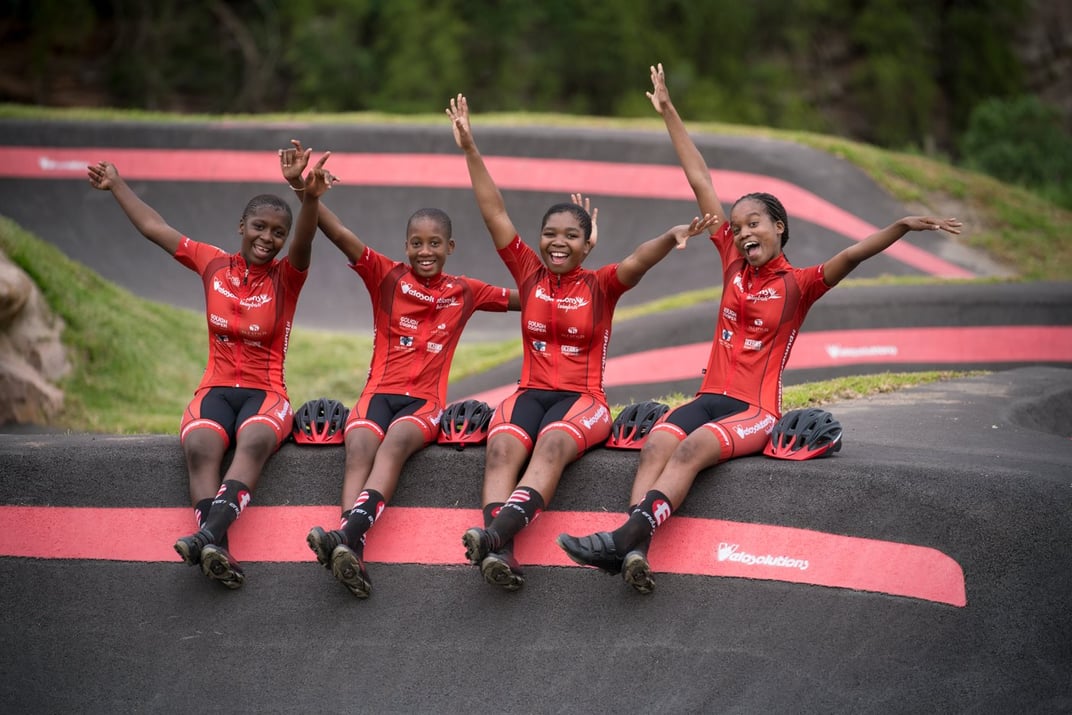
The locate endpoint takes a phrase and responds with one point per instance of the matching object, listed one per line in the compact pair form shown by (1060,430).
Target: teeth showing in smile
(750,245)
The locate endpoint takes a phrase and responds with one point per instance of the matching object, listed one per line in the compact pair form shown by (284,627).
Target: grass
(135,363)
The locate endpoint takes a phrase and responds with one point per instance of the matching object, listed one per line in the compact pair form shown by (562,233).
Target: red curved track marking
(448,171)
(684,545)
(833,348)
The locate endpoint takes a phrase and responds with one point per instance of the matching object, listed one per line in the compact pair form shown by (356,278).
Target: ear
(450,246)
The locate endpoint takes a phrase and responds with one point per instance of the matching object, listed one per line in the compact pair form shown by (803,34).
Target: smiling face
(428,243)
(264,229)
(758,236)
(564,243)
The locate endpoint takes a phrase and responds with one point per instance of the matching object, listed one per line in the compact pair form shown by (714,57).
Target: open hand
(585,203)
(683,233)
(930,223)
(103,175)
(458,111)
(659,94)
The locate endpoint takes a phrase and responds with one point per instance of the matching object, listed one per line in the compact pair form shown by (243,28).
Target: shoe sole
(188,557)
(216,565)
(474,550)
(499,573)
(636,571)
(315,539)
(347,569)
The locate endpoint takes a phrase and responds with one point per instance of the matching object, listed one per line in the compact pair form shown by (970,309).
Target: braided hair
(269,201)
(774,209)
(578,212)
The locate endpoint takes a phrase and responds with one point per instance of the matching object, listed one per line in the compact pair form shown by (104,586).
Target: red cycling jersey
(250,311)
(418,323)
(565,321)
(758,318)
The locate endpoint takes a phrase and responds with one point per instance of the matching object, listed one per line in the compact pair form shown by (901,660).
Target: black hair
(774,209)
(438,215)
(578,212)
(270,201)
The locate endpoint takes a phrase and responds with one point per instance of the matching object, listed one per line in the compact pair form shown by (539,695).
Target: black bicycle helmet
(320,421)
(630,429)
(465,422)
(804,434)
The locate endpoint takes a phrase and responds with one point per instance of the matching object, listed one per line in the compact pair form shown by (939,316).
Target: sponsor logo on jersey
(408,323)
(764,295)
(434,347)
(442,327)
(536,326)
(542,295)
(219,287)
(764,425)
(575,303)
(217,320)
(572,331)
(254,328)
(571,350)
(539,346)
(255,301)
(729,314)
(406,341)
(446,303)
(750,344)
(738,283)
(282,413)
(726,335)
(412,291)
(733,554)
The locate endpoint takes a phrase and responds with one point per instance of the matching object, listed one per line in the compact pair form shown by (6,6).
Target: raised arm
(696,171)
(844,262)
(647,254)
(104,176)
(292,162)
(317,182)
(488,197)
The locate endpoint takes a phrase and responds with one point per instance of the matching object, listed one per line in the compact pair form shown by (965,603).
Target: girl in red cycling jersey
(764,302)
(559,410)
(242,400)
(419,313)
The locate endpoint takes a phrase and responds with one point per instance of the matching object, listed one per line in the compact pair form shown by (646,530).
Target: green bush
(1021,141)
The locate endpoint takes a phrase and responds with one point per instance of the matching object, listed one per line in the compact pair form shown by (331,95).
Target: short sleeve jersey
(418,324)
(759,316)
(565,321)
(250,312)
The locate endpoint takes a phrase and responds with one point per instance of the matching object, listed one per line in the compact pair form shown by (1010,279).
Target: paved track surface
(976,472)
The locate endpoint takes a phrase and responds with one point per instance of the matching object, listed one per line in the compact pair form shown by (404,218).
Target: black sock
(491,511)
(524,505)
(228,504)
(652,510)
(367,508)
(201,510)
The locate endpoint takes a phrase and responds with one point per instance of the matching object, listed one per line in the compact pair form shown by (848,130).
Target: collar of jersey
(242,264)
(778,264)
(433,282)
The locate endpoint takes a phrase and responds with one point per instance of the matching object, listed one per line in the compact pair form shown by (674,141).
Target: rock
(32,355)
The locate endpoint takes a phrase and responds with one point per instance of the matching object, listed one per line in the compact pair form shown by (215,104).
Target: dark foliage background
(987,83)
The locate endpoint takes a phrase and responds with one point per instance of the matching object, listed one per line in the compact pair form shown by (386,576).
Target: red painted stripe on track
(448,171)
(834,348)
(685,545)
